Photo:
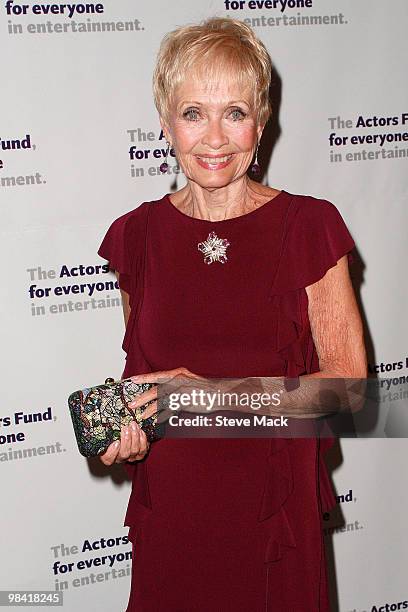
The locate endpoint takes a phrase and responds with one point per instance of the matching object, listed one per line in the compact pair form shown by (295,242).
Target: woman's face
(213,129)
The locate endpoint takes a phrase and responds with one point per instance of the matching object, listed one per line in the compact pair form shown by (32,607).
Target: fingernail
(134,426)
(116,444)
(126,431)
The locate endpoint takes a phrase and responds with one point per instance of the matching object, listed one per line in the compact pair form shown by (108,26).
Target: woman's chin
(212,178)
(213,183)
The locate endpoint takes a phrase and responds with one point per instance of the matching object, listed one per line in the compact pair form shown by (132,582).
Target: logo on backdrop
(11,147)
(56,18)
(367,138)
(83,293)
(107,563)
(384,607)
(147,151)
(282,13)
(391,366)
(15,429)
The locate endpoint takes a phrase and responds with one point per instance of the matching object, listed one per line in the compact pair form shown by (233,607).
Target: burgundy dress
(227,524)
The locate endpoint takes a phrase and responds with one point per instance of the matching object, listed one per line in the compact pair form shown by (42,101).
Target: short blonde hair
(212,48)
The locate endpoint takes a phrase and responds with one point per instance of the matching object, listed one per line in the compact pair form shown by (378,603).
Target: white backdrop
(75,96)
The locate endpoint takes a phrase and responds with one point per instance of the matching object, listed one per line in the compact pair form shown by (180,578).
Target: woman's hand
(164,376)
(133,446)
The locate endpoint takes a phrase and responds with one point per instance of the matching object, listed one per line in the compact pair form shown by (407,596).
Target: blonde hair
(212,48)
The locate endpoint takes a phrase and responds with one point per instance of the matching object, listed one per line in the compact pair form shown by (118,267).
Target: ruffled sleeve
(123,244)
(314,238)
(114,248)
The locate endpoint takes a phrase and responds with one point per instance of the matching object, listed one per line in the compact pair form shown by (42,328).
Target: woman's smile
(216,162)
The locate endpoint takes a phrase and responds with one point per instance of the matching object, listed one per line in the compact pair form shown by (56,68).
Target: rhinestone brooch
(214,248)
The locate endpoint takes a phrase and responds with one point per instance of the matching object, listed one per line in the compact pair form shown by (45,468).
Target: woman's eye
(191,114)
(237,114)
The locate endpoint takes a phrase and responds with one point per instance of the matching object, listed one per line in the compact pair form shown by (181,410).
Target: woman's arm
(336,325)
(337,332)
(338,336)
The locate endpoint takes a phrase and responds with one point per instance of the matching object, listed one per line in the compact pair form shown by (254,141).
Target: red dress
(227,524)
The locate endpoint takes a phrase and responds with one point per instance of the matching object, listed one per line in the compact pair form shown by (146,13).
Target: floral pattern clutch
(99,412)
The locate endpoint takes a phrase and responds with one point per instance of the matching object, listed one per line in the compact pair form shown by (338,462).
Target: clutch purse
(99,412)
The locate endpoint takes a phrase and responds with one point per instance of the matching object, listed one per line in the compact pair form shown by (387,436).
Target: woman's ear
(259,131)
(165,129)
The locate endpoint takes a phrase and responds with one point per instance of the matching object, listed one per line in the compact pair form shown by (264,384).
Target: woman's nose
(215,136)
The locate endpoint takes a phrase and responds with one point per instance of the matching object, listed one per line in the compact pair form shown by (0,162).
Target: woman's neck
(216,204)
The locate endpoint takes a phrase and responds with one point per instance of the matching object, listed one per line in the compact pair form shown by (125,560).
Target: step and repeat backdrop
(80,144)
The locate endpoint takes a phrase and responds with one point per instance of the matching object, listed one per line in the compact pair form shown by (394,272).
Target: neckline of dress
(208,221)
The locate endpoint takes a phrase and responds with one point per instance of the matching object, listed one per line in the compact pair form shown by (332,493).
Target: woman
(228,524)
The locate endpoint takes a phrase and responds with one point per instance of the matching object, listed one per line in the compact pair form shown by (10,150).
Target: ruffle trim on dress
(278,487)
(289,333)
(295,348)
(315,237)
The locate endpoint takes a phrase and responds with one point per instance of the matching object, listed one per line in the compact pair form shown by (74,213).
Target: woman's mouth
(214,163)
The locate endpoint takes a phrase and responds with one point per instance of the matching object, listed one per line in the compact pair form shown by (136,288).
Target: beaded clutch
(99,412)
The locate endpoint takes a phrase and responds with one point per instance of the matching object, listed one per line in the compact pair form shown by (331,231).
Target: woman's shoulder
(301,206)
(314,210)
(125,235)
(311,202)
(136,216)
(136,213)
(315,237)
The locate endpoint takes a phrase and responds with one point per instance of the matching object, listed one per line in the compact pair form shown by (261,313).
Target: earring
(165,166)
(255,168)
